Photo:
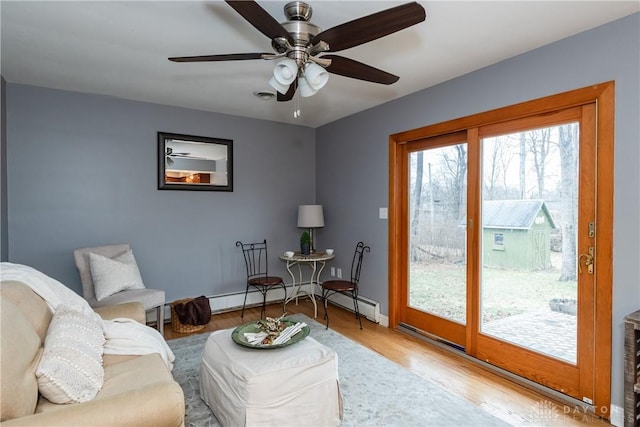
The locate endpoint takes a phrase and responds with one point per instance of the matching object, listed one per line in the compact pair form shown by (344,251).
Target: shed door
(541,253)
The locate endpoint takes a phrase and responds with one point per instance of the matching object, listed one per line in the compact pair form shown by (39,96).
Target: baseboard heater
(233,301)
(221,303)
(368,308)
(229,302)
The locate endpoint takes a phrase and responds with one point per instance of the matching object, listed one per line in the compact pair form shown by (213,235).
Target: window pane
(437,271)
(529,217)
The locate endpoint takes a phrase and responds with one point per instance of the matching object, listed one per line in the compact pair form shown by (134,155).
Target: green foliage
(305,238)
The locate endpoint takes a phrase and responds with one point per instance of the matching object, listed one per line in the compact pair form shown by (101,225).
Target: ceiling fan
(169,153)
(300,45)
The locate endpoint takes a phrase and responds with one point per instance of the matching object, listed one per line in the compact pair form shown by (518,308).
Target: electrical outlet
(339,271)
(333,272)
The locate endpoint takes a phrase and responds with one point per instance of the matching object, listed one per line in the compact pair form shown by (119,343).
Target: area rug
(376,391)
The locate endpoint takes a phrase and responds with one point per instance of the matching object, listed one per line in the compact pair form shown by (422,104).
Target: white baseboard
(617,416)
(384,320)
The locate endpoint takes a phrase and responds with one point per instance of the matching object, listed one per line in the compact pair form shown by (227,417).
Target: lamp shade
(316,76)
(286,71)
(310,216)
(284,74)
(305,88)
(283,89)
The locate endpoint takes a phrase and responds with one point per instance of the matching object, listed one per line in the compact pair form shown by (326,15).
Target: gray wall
(352,154)
(83,171)
(4,225)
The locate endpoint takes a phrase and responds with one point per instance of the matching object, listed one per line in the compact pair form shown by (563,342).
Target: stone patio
(547,332)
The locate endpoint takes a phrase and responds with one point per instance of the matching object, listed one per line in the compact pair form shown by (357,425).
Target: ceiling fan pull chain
(296,112)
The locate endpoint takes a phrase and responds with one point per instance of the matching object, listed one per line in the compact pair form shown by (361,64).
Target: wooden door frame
(603,94)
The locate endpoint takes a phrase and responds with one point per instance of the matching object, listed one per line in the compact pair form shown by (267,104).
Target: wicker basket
(177,326)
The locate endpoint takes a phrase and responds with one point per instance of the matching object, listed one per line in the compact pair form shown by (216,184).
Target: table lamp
(310,216)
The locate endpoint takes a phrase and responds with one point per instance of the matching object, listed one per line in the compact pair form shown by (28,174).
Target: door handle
(588,260)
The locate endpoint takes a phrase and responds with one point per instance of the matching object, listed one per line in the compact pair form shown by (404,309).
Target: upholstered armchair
(110,276)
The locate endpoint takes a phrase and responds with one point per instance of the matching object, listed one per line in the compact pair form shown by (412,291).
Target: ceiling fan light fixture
(286,71)
(305,88)
(315,75)
(274,83)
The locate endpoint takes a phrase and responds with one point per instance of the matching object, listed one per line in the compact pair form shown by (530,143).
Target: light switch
(383,213)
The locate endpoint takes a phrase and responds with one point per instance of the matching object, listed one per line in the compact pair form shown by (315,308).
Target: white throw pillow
(70,369)
(112,275)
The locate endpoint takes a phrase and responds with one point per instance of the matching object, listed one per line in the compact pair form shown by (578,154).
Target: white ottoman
(289,386)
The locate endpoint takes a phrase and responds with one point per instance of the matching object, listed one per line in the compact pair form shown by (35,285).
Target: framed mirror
(187,162)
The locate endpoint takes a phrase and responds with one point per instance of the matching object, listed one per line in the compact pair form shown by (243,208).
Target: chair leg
(160,319)
(354,294)
(284,300)
(264,303)
(325,297)
(245,301)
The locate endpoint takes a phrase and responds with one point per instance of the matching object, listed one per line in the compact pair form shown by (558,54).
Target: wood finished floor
(511,402)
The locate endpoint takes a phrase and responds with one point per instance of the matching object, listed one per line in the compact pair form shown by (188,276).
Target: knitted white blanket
(123,336)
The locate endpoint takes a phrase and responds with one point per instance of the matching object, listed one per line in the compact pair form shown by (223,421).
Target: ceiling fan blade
(371,27)
(357,70)
(227,57)
(289,95)
(187,157)
(260,19)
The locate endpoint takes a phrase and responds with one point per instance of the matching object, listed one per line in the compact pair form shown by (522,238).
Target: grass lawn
(440,288)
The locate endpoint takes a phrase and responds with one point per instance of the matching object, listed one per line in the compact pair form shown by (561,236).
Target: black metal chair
(346,287)
(256,261)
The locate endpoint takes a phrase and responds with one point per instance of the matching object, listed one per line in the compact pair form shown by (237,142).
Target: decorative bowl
(238,335)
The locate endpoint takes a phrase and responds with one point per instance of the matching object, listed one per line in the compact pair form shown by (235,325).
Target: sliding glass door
(494,242)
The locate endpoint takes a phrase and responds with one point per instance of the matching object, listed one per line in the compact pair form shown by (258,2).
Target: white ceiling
(121,48)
